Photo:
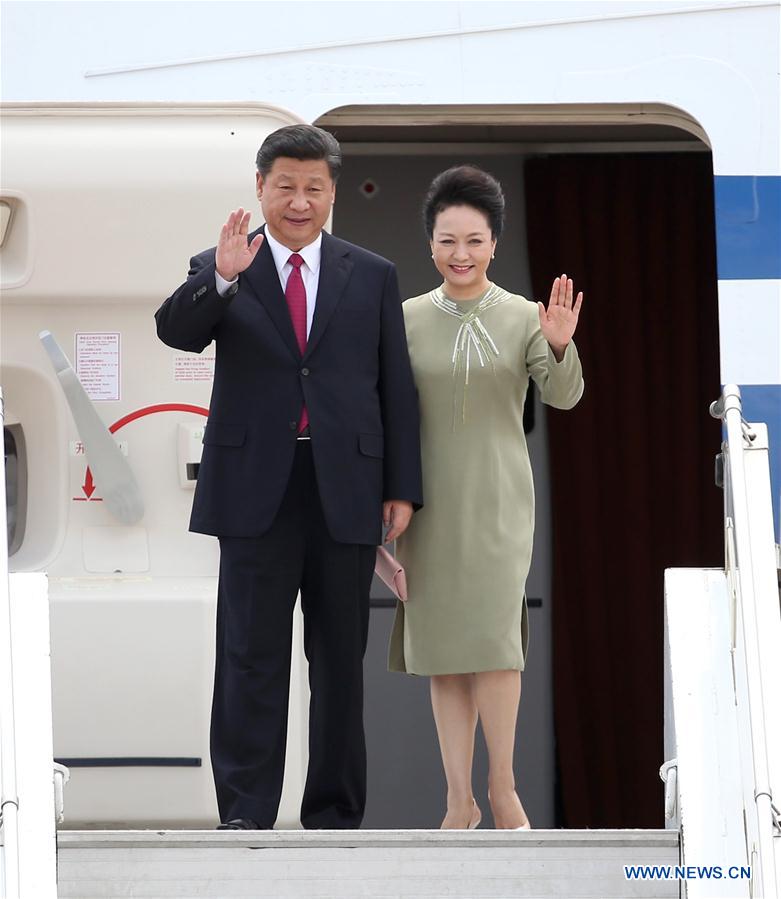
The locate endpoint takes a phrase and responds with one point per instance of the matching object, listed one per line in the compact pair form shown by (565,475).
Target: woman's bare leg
(497,695)
(455,714)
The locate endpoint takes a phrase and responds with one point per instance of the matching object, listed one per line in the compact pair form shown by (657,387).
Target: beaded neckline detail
(472,338)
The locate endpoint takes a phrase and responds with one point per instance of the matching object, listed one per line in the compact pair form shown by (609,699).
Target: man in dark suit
(312,443)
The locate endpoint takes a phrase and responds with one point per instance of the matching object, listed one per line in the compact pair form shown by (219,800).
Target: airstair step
(422,864)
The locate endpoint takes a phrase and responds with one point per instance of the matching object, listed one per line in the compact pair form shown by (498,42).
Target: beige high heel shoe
(475,818)
(526,826)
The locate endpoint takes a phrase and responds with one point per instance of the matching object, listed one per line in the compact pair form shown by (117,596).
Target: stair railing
(9,799)
(750,568)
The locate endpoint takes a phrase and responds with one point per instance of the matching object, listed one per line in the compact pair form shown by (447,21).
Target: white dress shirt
(310,271)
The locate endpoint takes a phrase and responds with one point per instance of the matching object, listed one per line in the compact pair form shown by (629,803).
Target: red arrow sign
(89,487)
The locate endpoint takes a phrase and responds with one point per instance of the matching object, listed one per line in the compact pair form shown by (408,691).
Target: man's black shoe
(240,824)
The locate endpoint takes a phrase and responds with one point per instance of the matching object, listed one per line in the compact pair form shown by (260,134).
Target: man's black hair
(300,142)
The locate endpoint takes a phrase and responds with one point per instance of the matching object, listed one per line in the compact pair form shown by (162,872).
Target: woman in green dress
(473,347)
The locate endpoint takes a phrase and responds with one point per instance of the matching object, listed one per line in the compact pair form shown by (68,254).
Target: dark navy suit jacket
(354,377)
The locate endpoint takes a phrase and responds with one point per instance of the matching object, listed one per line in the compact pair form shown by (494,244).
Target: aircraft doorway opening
(623,202)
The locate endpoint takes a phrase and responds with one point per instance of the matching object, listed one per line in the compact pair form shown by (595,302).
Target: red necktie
(295,294)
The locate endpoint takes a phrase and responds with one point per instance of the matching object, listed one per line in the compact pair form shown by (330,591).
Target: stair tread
(202,839)
(376,864)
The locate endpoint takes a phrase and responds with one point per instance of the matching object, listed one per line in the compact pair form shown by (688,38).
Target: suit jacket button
(293,425)
(304,371)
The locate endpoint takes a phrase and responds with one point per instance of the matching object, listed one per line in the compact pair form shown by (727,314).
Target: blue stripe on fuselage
(748,226)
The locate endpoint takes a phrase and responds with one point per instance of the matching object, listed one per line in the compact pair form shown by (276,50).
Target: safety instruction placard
(98,364)
(188,367)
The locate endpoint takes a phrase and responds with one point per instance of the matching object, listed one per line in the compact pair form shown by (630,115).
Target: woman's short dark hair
(300,142)
(465,185)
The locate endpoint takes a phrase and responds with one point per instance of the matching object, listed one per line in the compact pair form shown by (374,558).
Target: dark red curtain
(632,484)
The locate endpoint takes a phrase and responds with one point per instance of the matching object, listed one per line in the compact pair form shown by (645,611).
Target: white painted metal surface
(700,702)
(33,740)
(376,864)
(752,579)
(753,355)
(682,54)
(150,638)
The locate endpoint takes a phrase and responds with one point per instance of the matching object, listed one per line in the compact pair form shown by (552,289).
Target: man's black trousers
(259,580)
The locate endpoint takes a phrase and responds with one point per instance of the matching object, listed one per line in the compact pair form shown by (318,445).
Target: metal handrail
(9,799)
(744,575)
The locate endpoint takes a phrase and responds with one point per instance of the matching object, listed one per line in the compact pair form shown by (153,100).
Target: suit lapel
(264,281)
(335,269)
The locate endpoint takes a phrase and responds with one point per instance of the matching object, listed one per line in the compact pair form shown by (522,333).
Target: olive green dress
(467,552)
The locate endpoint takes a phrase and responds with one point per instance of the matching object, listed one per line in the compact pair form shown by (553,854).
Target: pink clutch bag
(391,573)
